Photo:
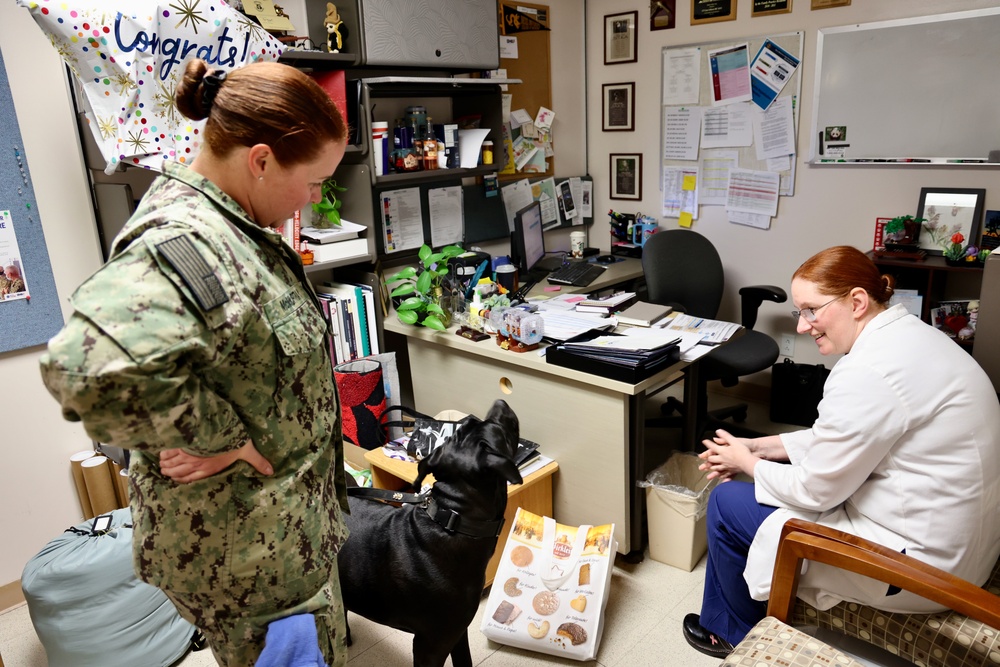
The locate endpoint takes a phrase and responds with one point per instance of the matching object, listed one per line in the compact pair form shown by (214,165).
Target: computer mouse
(605,259)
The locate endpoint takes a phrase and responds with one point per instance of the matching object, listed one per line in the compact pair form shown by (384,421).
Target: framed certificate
(620,38)
(712,11)
(626,176)
(618,113)
(768,7)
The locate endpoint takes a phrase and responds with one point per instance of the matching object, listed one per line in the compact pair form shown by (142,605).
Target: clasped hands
(726,456)
(184,468)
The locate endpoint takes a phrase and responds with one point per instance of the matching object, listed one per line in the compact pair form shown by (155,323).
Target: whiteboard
(925,88)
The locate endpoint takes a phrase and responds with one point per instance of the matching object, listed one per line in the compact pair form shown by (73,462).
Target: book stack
(337,243)
(605,305)
(617,357)
(350,310)
(643,314)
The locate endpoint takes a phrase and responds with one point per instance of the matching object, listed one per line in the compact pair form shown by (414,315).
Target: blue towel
(292,642)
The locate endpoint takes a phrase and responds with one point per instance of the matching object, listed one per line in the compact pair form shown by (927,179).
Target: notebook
(643,314)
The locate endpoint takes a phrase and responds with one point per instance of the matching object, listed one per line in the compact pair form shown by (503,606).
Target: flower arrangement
(954,251)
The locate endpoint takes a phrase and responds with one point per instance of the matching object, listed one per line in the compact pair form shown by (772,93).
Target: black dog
(421,569)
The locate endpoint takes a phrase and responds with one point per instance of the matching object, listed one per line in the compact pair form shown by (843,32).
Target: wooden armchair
(968,635)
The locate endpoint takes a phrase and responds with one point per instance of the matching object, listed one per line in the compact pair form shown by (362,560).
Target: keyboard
(578,274)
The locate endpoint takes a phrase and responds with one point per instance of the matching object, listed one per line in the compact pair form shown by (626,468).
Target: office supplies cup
(642,231)
(507,277)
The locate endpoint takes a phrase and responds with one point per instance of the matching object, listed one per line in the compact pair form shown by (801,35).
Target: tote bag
(796,390)
(551,587)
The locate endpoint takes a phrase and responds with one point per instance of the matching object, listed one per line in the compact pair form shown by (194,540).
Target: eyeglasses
(810,313)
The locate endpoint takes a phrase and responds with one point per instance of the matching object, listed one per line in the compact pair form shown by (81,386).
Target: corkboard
(533,67)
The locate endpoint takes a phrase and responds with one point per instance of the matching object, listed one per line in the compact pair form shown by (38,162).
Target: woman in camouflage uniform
(200,347)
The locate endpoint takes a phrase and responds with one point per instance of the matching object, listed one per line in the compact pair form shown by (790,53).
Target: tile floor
(642,622)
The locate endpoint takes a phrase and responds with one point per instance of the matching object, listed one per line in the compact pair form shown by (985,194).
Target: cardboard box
(677,534)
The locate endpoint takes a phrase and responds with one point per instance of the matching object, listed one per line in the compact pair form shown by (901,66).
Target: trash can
(676,502)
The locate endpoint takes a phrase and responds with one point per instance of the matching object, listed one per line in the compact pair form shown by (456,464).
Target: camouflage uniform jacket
(229,346)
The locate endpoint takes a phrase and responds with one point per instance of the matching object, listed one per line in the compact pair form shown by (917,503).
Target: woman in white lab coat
(905,452)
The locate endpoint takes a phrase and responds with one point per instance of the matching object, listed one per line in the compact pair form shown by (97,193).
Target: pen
(967,161)
(475,279)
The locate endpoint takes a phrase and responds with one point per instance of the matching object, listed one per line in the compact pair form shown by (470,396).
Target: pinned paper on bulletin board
(129,65)
(531,63)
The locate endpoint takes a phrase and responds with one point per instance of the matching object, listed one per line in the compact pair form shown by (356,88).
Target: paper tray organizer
(562,356)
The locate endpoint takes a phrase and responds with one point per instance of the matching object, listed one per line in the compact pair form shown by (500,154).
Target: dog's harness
(448,519)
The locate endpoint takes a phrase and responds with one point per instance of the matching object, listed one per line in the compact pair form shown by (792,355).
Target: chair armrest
(752,296)
(806,540)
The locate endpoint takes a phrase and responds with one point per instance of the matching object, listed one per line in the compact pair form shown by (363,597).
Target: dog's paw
(579,603)
(510,587)
(538,631)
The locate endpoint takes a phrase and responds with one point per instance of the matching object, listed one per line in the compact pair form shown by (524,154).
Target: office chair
(967,634)
(683,269)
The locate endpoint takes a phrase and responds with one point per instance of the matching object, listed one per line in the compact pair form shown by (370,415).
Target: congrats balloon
(129,63)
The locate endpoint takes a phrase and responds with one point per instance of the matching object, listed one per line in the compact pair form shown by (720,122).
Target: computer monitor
(527,245)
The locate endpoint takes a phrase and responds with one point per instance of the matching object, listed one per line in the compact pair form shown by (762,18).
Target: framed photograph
(626,176)
(711,11)
(956,318)
(618,113)
(620,38)
(826,4)
(662,14)
(990,239)
(768,7)
(947,211)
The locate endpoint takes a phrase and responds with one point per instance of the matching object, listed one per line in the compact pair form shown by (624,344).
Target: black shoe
(702,640)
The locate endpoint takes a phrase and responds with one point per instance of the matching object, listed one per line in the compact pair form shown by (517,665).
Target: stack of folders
(605,305)
(643,314)
(617,357)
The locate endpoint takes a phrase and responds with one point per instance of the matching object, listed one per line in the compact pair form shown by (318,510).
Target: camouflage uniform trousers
(237,640)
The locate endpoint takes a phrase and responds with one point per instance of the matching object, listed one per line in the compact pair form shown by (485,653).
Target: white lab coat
(905,452)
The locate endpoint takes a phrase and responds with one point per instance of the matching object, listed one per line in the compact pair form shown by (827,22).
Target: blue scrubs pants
(734,515)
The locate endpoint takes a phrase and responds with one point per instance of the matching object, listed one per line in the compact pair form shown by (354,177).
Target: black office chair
(683,269)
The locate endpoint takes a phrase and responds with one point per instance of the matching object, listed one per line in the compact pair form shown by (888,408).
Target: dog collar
(453,522)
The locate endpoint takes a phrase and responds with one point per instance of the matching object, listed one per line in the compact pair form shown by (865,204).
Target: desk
(593,427)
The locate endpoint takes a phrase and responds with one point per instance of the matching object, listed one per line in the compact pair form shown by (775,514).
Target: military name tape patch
(185,259)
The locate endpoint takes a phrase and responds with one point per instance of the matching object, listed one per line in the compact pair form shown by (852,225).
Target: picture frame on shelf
(620,37)
(990,239)
(827,4)
(626,176)
(662,15)
(956,317)
(878,245)
(946,211)
(618,110)
(769,7)
(712,11)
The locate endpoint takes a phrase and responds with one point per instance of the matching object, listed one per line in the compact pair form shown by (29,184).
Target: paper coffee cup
(507,277)
(577,241)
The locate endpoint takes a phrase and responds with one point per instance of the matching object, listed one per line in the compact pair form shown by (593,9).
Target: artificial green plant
(328,208)
(423,285)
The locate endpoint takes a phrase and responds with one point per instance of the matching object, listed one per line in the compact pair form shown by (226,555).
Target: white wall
(831,206)
(36,488)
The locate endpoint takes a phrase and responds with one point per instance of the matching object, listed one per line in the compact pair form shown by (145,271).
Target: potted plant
(424,289)
(327,210)
(902,232)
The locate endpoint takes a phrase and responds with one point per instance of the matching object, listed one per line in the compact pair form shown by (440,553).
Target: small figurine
(336,31)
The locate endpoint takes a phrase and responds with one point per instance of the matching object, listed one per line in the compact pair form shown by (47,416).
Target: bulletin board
(34,320)
(532,66)
(790,42)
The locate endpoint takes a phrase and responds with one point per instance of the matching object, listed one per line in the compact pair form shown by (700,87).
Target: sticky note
(685,219)
(689,182)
